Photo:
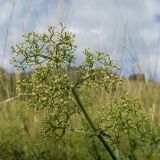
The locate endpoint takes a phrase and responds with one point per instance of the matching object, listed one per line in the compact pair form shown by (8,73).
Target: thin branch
(82,80)
(16,97)
(99,135)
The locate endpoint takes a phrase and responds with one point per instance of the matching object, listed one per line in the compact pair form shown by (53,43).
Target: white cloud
(110,18)
(5,8)
(122,27)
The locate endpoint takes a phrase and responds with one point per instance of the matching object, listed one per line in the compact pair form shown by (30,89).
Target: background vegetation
(131,128)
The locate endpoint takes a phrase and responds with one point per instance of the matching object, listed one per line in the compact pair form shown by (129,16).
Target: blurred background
(127,30)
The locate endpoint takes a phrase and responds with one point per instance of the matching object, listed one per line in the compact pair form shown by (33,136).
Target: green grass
(21,134)
(21,138)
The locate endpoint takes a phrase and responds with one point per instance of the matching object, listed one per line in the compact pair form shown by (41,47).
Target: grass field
(22,137)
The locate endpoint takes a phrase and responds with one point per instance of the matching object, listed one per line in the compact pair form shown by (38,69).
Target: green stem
(101,138)
(130,143)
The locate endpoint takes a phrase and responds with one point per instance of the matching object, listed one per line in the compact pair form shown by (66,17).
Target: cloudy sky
(128,30)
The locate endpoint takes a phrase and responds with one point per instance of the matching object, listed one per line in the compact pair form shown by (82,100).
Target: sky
(127,30)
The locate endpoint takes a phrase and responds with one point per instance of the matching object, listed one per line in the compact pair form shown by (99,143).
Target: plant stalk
(101,138)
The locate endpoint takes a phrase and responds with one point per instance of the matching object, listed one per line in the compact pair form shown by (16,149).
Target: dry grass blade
(14,98)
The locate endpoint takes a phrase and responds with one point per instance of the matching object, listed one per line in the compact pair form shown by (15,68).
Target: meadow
(69,112)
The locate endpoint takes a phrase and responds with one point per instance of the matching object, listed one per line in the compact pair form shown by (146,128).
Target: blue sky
(128,30)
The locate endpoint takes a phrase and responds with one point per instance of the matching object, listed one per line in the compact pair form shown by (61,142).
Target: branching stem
(101,138)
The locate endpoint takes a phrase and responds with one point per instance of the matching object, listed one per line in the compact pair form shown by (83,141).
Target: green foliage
(56,94)
(56,48)
(126,124)
(20,138)
(7,85)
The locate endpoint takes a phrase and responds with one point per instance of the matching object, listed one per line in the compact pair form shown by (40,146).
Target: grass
(21,136)
(147,93)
